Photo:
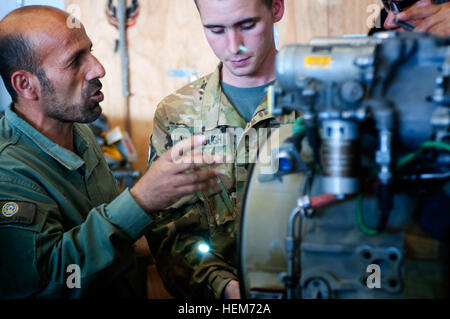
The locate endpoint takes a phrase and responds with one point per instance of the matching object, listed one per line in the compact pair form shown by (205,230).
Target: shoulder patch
(15,212)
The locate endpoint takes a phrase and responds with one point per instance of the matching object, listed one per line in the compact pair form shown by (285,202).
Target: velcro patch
(14,212)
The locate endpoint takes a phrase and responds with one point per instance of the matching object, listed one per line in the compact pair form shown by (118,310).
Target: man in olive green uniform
(65,231)
(195,248)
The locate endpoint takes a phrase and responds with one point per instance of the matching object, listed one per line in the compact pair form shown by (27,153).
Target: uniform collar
(68,159)
(217,109)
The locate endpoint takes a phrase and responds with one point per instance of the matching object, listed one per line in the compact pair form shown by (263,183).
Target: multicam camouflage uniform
(210,218)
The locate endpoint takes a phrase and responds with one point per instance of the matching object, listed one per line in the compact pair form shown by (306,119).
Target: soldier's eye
(248,25)
(217,30)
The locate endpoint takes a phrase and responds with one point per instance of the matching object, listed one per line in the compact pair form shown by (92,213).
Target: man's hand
(390,24)
(433,18)
(167,180)
(232,291)
(428,17)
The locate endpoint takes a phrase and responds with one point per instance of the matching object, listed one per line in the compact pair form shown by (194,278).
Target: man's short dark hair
(16,53)
(267,3)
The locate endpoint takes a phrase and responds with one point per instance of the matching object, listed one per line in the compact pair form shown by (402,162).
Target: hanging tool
(123,48)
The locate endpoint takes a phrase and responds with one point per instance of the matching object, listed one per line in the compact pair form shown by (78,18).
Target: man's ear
(26,85)
(277,10)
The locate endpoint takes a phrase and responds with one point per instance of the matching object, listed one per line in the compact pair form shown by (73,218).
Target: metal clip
(304,205)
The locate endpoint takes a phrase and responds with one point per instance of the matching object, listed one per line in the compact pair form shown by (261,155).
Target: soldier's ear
(25,84)
(277,10)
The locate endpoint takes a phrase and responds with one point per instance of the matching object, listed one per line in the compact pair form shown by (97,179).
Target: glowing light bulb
(203,248)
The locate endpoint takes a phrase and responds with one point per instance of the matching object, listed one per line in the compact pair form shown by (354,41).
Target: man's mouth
(97,96)
(239,62)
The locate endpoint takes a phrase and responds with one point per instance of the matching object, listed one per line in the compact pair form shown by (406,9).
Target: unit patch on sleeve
(14,212)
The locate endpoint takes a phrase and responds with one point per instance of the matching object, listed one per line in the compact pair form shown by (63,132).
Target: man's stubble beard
(59,110)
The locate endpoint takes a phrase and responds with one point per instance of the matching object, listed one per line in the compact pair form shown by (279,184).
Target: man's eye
(75,62)
(217,30)
(248,26)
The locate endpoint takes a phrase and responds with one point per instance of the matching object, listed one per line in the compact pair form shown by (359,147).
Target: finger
(193,189)
(442,29)
(200,157)
(427,24)
(190,157)
(194,163)
(195,177)
(418,12)
(389,22)
(181,148)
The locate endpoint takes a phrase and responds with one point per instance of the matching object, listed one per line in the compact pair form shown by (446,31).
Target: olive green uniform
(61,209)
(207,218)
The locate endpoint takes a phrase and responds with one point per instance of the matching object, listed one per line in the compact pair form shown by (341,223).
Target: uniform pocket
(18,275)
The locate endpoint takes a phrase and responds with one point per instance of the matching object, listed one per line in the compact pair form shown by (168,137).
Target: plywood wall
(168,35)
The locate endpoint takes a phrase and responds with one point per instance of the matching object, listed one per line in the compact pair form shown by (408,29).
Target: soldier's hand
(232,290)
(167,180)
(434,18)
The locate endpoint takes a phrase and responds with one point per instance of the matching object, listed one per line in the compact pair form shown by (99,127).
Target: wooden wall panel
(169,35)
(348,16)
(302,20)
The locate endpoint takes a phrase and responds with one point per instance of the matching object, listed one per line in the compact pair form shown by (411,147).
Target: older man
(64,229)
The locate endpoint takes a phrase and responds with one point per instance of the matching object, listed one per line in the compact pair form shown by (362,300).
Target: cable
(359,216)
(299,127)
(429,144)
(403,161)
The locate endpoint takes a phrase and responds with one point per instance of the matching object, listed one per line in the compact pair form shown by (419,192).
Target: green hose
(429,144)
(359,216)
(298,127)
(403,161)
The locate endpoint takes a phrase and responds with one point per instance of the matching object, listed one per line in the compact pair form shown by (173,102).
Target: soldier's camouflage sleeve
(175,237)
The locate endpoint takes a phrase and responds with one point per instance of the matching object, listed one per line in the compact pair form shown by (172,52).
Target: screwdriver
(404,24)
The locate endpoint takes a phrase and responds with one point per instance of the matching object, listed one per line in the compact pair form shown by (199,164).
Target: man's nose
(234,41)
(96,69)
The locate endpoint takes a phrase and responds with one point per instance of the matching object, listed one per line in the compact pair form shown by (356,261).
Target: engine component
(376,115)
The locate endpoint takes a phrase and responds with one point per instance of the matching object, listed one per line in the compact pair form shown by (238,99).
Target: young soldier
(196,250)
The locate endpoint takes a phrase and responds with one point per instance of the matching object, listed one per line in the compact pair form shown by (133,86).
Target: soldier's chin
(241,71)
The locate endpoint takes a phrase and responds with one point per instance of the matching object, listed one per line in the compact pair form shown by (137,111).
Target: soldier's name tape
(234,145)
